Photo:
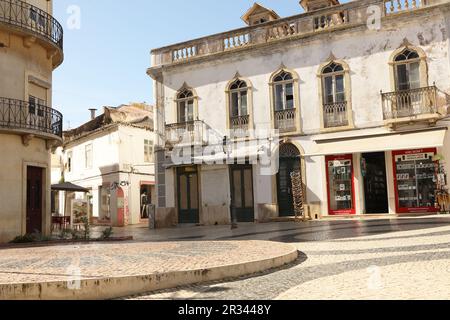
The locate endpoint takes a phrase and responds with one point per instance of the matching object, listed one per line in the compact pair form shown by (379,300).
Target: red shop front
(415,180)
(340,185)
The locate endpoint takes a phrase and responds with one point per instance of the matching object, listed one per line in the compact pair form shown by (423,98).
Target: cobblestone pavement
(377,259)
(60,263)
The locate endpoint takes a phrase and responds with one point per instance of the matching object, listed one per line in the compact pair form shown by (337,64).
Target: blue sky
(106,59)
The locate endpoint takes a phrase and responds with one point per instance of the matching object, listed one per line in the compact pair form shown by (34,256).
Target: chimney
(92,113)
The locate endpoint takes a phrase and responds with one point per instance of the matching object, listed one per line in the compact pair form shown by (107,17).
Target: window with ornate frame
(185,101)
(407,70)
(238,99)
(239,102)
(285,100)
(334,77)
(410,94)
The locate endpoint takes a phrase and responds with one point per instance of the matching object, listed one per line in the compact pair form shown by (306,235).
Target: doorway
(242,201)
(188,195)
(289,163)
(34,199)
(375,183)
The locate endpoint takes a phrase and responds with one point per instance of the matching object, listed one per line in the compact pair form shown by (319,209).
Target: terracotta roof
(136,115)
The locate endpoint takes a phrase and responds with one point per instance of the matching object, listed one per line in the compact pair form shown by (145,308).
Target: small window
(69,161)
(88,156)
(148,151)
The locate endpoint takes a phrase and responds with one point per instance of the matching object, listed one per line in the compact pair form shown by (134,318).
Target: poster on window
(415,180)
(79,211)
(340,185)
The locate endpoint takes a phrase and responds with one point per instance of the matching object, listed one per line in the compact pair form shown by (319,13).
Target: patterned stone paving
(378,259)
(57,263)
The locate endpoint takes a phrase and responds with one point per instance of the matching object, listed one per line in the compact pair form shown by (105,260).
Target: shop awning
(433,138)
(70,187)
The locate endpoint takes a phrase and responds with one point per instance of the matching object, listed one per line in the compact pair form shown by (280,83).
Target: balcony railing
(34,20)
(21,115)
(285,120)
(335,115)
(240,126)
(187,133)
(354,13)
(413,103)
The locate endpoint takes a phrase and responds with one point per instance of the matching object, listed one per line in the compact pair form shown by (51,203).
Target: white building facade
(115,162)
(358,93)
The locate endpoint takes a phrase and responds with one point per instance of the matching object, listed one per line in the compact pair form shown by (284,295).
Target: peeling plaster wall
(366,52)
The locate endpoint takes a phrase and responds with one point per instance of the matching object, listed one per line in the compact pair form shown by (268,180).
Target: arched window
(333,84)
(238,98)
(283,91)
(185,106)
(407,70)
(336,98)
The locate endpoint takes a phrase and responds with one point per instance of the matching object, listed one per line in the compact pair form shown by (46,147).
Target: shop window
(104,203)
(341,196)
(415,180)
(146,200)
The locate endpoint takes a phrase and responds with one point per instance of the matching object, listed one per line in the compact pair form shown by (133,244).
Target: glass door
(341,198)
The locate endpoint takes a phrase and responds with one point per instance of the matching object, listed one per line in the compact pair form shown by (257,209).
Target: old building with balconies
(31,47)
(355,95)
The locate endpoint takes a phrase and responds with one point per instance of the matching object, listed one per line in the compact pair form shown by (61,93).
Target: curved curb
(117,287)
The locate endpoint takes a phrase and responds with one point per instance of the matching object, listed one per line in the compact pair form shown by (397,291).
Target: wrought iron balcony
(186,133)
(285,120)
(335,115)
(26,118)
(408,105)
(26,17)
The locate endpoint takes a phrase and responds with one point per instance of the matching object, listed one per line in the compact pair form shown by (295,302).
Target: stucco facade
(30,49)
(118,156)
(304,46)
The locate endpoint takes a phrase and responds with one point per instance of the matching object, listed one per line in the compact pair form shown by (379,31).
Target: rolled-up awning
(431,138)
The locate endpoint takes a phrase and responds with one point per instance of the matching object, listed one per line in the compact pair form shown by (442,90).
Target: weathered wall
(13,180)
(367,54)
(117,152)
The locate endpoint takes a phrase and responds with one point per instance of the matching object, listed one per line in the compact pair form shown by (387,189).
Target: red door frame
(340,212)
(397,202)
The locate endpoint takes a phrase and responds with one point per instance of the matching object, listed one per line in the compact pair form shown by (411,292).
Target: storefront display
(415,180)
(340,178)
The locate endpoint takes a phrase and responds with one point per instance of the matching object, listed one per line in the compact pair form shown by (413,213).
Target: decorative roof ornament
(406,43)
(311,5)
(331,57)
(258,14)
